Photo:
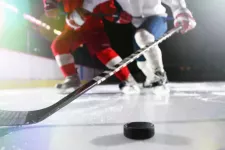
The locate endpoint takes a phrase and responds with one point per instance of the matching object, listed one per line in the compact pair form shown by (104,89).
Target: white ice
(187,116)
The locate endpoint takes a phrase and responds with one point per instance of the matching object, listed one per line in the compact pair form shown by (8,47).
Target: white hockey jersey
(140,9)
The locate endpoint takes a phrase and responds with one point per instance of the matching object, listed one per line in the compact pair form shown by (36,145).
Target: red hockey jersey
(69,5)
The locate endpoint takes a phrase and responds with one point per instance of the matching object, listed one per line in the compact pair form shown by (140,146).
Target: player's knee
(143,37)
(54,47)
(59,47)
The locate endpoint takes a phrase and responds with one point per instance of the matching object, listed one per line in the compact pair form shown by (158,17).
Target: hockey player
(152,25)
(82,28)
(149,18)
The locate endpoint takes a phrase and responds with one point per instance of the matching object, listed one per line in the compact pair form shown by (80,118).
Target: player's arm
(77,18)
(113,12)
(108,9)
(79,15)
(104,9)
(182,15)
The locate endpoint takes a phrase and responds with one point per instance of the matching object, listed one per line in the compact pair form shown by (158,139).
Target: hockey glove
(186,20)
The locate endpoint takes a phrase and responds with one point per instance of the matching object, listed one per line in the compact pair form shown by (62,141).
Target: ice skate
(160,79)
(129,86)
(70,84)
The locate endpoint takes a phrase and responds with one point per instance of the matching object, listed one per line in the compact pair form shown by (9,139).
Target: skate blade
(160,90)
(66,91)
(131,90)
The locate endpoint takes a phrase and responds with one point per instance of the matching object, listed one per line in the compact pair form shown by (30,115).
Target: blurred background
(27,61)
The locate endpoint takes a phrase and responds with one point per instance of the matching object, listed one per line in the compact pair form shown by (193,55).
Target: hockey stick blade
(17,118)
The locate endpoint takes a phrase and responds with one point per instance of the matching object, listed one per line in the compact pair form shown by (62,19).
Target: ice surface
(187,116)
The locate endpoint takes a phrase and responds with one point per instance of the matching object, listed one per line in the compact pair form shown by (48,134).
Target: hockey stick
(13,118)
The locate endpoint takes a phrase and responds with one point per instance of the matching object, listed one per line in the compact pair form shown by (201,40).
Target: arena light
(29,18)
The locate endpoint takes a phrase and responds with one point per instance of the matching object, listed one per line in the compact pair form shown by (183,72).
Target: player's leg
(102,48)
(153,28)
(110,58)
(145,65)
(61,48)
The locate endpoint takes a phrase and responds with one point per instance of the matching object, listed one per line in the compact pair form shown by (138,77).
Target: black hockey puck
(139,130)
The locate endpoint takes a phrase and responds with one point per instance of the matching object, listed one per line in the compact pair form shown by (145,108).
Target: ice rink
(187,116)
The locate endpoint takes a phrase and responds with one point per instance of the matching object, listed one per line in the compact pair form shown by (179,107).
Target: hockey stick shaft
(12,118)
(106,74)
